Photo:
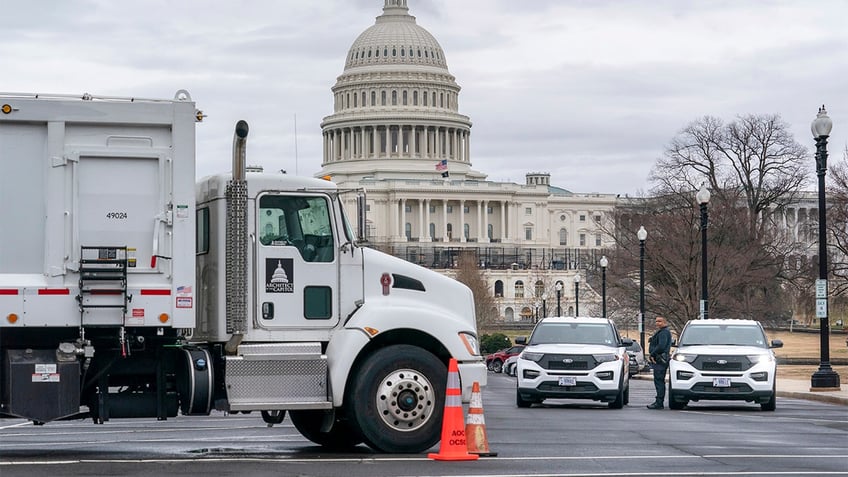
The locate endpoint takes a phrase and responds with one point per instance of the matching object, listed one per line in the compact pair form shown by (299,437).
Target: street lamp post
(642,234)
(559,295)
(576,295)
(604,262)
(544,305)
(703,198)
(825,378)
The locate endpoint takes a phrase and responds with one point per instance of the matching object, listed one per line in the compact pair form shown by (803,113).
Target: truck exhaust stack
(236,242)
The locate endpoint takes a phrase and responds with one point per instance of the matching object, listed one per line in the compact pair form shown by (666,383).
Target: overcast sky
(589,91)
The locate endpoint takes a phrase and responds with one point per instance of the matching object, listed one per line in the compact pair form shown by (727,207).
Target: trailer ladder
(103,271)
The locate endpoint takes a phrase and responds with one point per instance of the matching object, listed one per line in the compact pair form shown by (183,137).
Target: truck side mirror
(776,344)
(521,340)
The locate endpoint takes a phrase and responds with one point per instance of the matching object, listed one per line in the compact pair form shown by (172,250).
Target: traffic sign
(821,288)
(821,307)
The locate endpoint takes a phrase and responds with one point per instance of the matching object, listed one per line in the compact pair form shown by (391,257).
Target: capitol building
(396,130)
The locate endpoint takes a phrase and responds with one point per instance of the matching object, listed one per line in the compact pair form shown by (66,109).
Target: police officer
(658,349)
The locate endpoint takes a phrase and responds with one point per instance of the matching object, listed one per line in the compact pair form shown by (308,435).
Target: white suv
(574,358)
(723,360)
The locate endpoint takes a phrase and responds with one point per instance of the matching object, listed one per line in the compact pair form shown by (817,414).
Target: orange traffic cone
(453,446)
(475,425)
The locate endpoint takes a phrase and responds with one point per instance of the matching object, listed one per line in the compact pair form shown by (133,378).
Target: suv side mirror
(626,341)
(521,340)
(776,344)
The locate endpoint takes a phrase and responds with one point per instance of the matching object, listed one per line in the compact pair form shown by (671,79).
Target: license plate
(568,381)
(721,382)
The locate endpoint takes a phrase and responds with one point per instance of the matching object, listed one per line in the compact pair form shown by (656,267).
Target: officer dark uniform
(658,349)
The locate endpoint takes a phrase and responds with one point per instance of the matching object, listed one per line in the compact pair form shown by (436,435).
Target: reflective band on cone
(453,445)
(475,425)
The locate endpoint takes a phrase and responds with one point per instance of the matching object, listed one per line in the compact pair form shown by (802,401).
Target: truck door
(297,262)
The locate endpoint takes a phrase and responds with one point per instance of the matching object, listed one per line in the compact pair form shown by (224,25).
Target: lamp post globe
(825,378)
(559,295)
(544,304)
(642,235)
(703,198)
(577,295)
(604,263)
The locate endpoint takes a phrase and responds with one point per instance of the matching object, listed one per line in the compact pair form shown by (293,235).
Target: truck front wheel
(397,399)
(309,423)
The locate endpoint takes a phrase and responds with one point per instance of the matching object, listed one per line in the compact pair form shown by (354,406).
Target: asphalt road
(559,438)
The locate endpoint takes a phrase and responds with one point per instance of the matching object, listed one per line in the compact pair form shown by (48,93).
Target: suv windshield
(736,335)
(576,333)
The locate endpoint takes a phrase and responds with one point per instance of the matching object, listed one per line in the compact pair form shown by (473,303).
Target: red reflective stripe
(8,292)
(54,291)
(155,292)
(105,292)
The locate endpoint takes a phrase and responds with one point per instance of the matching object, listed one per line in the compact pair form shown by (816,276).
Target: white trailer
(127,290)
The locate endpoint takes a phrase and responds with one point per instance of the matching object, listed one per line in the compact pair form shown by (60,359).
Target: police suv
(723,360)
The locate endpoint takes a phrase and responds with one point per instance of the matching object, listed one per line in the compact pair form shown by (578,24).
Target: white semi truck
(128,290)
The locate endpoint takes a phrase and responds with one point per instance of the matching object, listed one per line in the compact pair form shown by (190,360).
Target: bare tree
(470,274)
(742,278)
(837,224)
(754,160)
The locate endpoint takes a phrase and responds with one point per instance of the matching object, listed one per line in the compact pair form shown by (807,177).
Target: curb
(814,396)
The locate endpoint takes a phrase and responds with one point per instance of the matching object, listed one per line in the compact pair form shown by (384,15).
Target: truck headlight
(686,358)
(470,342)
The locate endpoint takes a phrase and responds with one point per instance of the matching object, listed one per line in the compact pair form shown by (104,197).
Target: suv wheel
(621,397)
(520,401)
(771,404)
(674,402)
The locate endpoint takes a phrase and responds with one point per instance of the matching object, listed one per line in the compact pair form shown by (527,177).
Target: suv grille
(568,362)
(708,362)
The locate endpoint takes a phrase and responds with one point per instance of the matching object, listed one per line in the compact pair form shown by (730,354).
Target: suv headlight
(686,358)
(760,358)
(531,356)
(605,358)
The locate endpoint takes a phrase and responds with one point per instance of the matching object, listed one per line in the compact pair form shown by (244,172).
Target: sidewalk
(800,389)
(795,389)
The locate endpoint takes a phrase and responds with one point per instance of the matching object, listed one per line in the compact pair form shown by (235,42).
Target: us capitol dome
(396,106)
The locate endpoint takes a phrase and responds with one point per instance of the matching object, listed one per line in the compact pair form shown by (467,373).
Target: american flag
(183,289)
(442,165)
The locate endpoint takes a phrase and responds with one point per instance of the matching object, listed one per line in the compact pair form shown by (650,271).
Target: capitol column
(445,220)
(420,220)
(402,228)
(467,146)
(374,141)
(462,221)
(484,230)
(364,139)
(427,221)
(503,220)
(413,141)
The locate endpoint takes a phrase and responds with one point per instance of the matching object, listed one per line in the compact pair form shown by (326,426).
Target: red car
(496,360)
